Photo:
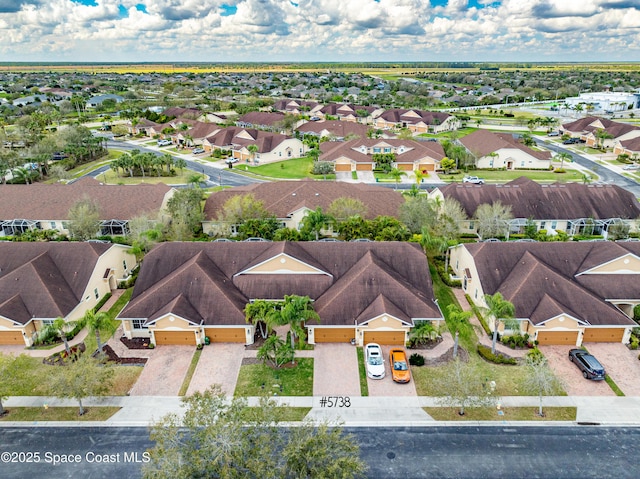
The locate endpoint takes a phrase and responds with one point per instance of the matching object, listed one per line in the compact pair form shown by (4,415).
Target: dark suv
(588,364)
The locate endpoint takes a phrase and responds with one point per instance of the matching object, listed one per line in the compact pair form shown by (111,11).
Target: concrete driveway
(164,372)
(335,370)
(620,363)
(219,364)
(571,376)
(386,386)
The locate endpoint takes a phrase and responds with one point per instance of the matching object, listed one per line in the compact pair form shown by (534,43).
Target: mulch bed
(60,359)
(463,355)
(427,345)
(112,356)
(135,343)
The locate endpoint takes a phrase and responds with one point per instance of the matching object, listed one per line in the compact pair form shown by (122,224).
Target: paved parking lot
(219,364)
(164,372)
(386,386)
(335,370)
(566,371)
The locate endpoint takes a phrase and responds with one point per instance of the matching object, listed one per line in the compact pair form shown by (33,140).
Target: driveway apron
(219,364)
(620,363)
(335,370)
(386,386)
(164,372)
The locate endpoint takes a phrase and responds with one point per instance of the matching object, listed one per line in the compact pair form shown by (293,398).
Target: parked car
(400,372)
(229,161)
(588,364)
(164,142)
(473,179)
(374,360)
(553,133)
(631,167)
(197,151)
(571,141)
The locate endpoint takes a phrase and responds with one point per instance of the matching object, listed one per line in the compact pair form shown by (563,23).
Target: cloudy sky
(319,30)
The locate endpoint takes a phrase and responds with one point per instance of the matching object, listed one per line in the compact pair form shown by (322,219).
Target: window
(471,225)
(96,294)
(387,150)
(124,264)
(376,150)
(138,324)
(490,163)
(554,225)
(52,225)
(47,322)
(522,163)
(542,225)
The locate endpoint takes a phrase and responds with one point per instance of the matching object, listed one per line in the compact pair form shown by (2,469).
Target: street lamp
(220,178)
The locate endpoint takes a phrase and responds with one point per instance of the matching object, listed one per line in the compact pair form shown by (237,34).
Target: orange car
(399,366)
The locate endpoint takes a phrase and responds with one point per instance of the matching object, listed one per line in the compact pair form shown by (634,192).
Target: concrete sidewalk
(349,411)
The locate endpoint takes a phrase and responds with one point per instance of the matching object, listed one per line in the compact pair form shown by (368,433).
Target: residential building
(363,292)
(600,132)
(417,121)
(563,293)
(270,146)
(333,129)
(502,150)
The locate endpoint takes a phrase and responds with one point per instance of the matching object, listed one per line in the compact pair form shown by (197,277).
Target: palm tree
(315,221)
(260,314)
(563,156)
(396,174)
(253,149)
(500,309)
(295,311)
(95,322)
(61,327)
(419,174)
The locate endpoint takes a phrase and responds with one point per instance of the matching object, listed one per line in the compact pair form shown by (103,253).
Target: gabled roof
(561,201)
(205,276)
(44,280)
(201,130)
(52,202)
(590,124)
(282,198)
(397,115)
(337,128)
(484,142)
(234,137)
(258,118)
(543,279)
(412,150)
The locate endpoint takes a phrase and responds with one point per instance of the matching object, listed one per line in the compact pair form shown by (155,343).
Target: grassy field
(504,176)
(29,414)
(508,414)
(293,169)
(258,379)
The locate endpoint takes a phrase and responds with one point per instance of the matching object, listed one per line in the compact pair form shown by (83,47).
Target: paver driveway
(219,364)
(566,371)
(386,386)
(335,370)
(164,372)
(620,363)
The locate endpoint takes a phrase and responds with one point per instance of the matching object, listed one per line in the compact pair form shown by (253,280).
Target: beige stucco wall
(282,264)
(628,263)
(518,158)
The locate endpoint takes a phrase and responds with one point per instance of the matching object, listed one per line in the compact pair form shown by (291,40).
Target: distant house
(296,107)
(363,292)
(570,207)
(40,282)
(417,121)
(260,119)
(178,112)
(629,147)
(348,112)
(290,201)
(502,150)
(98,100)
(333,128)
(196,134)
(45,206)
(358,154)
(270,146)
(597,131)
(563,293)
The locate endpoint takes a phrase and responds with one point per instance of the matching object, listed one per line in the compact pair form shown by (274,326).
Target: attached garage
(405,166)
(333,335)
(603,335)
(343,167)
(395,338)
(226,335)
(364,167)
(427,167)
(11,337)
(558,337)
(186,338)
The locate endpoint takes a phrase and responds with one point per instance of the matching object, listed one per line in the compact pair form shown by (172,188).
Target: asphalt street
(472,451)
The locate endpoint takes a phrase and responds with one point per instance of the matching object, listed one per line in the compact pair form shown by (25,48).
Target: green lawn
(362,371)
(509,414)
(110,177)
(29,414)
(292,414)
(293,169)
(504,176)
(258,379)
(190,371)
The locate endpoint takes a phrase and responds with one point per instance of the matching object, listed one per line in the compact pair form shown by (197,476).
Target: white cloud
(197,30)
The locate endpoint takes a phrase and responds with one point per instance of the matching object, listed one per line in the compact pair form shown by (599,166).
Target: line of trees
(137,163)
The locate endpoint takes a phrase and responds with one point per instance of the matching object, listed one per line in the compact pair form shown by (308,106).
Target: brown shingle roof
(529,199)
(52,202)
(335,127)
(176,277)
(44,280)
(230,137)
(544,279)
(483,142)
(282,198)
(258,118)
(414,150)
(397,115)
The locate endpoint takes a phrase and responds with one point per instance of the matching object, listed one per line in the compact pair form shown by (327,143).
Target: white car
(197,151)
(631,167)
(473,179)
(164,142)
(374,360)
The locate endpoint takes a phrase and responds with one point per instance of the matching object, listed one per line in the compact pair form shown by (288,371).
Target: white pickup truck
(473,179)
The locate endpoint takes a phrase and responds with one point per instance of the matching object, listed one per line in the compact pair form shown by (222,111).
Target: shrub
(100,304)
(151,346)
(485,353)
(416,359)
(516,340)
